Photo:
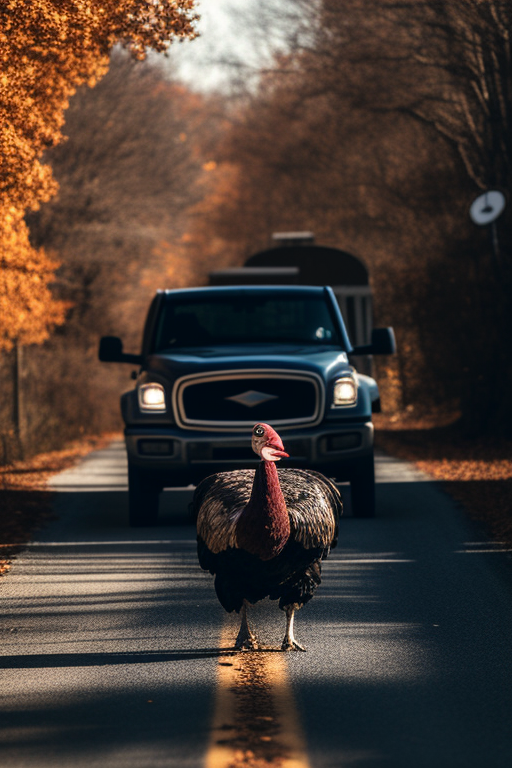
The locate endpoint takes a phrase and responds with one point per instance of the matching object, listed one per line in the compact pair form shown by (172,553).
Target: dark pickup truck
(215,361)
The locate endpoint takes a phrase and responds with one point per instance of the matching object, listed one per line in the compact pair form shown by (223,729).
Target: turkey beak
(277,451)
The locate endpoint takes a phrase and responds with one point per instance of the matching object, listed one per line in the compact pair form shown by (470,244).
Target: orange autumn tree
(47,49)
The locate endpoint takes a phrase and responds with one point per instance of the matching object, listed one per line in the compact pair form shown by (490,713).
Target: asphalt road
(111,637)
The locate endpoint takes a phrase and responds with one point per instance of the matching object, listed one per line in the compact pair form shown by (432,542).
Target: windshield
(245,319)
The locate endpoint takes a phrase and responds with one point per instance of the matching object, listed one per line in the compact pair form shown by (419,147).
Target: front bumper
(180,457)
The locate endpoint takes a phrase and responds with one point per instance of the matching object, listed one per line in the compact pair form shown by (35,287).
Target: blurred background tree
(128,173)
(135,165)
(47,49)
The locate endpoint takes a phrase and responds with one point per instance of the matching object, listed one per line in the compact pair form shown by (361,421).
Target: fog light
(156,447)
(344,442)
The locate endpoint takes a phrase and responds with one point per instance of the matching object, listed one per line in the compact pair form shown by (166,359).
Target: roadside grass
(26,502)
(476,472)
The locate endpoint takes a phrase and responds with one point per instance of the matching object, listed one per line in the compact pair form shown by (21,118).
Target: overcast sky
(229,31)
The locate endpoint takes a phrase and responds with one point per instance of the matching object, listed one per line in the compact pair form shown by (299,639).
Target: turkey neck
(263,528)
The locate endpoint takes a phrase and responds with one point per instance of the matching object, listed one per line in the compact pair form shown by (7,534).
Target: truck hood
(326,362)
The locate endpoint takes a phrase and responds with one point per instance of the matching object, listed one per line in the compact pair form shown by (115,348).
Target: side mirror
(111,351)
(383,343)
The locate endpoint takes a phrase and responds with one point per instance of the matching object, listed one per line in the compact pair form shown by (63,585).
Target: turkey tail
(229,597)
(303,589)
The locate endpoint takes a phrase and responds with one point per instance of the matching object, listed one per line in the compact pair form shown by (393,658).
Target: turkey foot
(246,639)
(291,645)
(289,642)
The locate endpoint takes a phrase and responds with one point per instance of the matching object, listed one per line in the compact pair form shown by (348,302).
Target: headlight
(345,391)
(151,397)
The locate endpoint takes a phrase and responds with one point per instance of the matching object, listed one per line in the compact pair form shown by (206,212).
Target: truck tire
(143,498)
(362,487)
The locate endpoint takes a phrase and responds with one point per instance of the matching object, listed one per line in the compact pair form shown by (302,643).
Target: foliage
(136,162)
(376,132)
(446,64)
(27,308)
(47,49)
(129,173)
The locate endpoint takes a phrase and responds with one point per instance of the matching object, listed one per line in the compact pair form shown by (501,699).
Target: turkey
(263,533)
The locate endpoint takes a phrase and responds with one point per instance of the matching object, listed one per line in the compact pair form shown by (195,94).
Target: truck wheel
(362,487)
(143,498)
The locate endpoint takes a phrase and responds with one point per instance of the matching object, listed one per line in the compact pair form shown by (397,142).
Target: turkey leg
(289,642)
(246,640)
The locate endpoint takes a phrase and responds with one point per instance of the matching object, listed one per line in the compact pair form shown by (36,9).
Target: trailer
(295,259)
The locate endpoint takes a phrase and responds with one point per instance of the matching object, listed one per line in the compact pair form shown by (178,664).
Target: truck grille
(236,400)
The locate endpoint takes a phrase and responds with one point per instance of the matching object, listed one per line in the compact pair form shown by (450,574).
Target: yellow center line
(255,721)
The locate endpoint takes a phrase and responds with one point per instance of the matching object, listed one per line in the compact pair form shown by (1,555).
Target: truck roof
(301,290)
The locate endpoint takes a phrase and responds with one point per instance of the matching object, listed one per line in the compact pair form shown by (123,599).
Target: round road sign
(487,207)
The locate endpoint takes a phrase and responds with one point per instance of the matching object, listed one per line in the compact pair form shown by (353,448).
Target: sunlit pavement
(110,636)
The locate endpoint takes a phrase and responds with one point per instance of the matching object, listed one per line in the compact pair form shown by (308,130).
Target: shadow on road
(99,510)
(52,660)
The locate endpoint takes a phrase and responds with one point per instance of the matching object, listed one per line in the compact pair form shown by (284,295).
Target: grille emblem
(251,398)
